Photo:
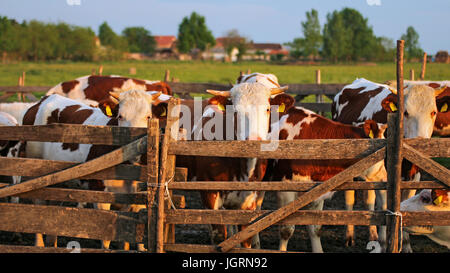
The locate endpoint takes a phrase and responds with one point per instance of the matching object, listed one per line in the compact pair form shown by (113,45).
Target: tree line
(345,37)
(39,41)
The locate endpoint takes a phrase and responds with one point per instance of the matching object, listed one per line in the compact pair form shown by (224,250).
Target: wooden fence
(158,221)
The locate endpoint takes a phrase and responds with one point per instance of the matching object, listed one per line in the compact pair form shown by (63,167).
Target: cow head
(372,129)
(251,103)
(420,109)
(430,200)
(134,107)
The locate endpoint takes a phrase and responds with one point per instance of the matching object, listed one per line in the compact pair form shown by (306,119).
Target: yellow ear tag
(438,200)
(221,107)
(108,111)
(371,134)
(164,113)
(281,108)
(444,107)
(393,107)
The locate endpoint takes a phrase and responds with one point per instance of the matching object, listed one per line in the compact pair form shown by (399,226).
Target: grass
(216,72)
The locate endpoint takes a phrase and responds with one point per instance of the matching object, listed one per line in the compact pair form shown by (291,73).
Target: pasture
(41,74)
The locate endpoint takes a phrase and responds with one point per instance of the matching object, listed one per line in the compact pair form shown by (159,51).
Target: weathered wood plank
(73,133)
(127,152)
(294,186)
(304,217)
(428,165)
(152,181)
(315,106)
(71,222)
(286,149)
(303,200)
(196,248)
(35,249)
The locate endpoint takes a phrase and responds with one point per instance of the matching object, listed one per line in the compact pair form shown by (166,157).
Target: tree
(139,40)
(412,47)
(194,34)
(234,40)
(312,41)
(336,38)
(109,38)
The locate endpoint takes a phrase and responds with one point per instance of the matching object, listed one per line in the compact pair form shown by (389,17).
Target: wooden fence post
(411,74)
(424,64)
(100,70)
(167,170)
(394,159)
(319,98)
(167,75)
(152,180)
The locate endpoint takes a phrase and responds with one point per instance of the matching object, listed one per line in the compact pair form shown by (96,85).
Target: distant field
(53,73)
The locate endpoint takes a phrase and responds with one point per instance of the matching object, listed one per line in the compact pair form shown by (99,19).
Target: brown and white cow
(134,110)
(442,123)
(300,123)
(251,104)
(363,99)
(95,90)
(429,200)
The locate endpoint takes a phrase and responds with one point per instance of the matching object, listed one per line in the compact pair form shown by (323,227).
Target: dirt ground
(333,237)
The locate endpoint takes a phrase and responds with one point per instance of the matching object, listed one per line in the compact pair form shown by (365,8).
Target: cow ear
(160,110)
(442,104)
(371,129)
(220,101)
(390,103)
(108,108)
(284,102)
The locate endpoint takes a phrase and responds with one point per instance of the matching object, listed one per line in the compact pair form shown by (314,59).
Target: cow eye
(433,113)
(425,199)
(120,117)
(406,114)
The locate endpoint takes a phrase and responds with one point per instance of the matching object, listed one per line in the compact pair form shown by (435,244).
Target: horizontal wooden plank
(72,222)
(311,148)
(294,186)
(73,133)
(304,217)
(38,167)
(196,248)
(283,149)
(315,106)
(24,89)
(35,249)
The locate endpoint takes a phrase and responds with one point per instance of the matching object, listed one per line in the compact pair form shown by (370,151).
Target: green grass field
(216,72)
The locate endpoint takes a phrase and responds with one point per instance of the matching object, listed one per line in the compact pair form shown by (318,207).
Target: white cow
(429,200)
(134,111)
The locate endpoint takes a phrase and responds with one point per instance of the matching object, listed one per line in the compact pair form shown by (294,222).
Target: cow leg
(286,231)
(256,244)
(406,195)
(314,230)
(213,200)
(370,203)
(104,206)
(382,203)
(137,208)
(51,241)
(350,232)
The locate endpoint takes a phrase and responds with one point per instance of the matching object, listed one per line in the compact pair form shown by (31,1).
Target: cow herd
(255,108)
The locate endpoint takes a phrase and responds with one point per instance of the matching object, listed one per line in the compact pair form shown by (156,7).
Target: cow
(247,102)
(269,80)
(429,200)
(95,90)
(16,109)
(442,123)
(363,99)
(300,123)
(134,110)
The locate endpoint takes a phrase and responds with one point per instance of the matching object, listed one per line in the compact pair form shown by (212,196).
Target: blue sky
(260,20)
